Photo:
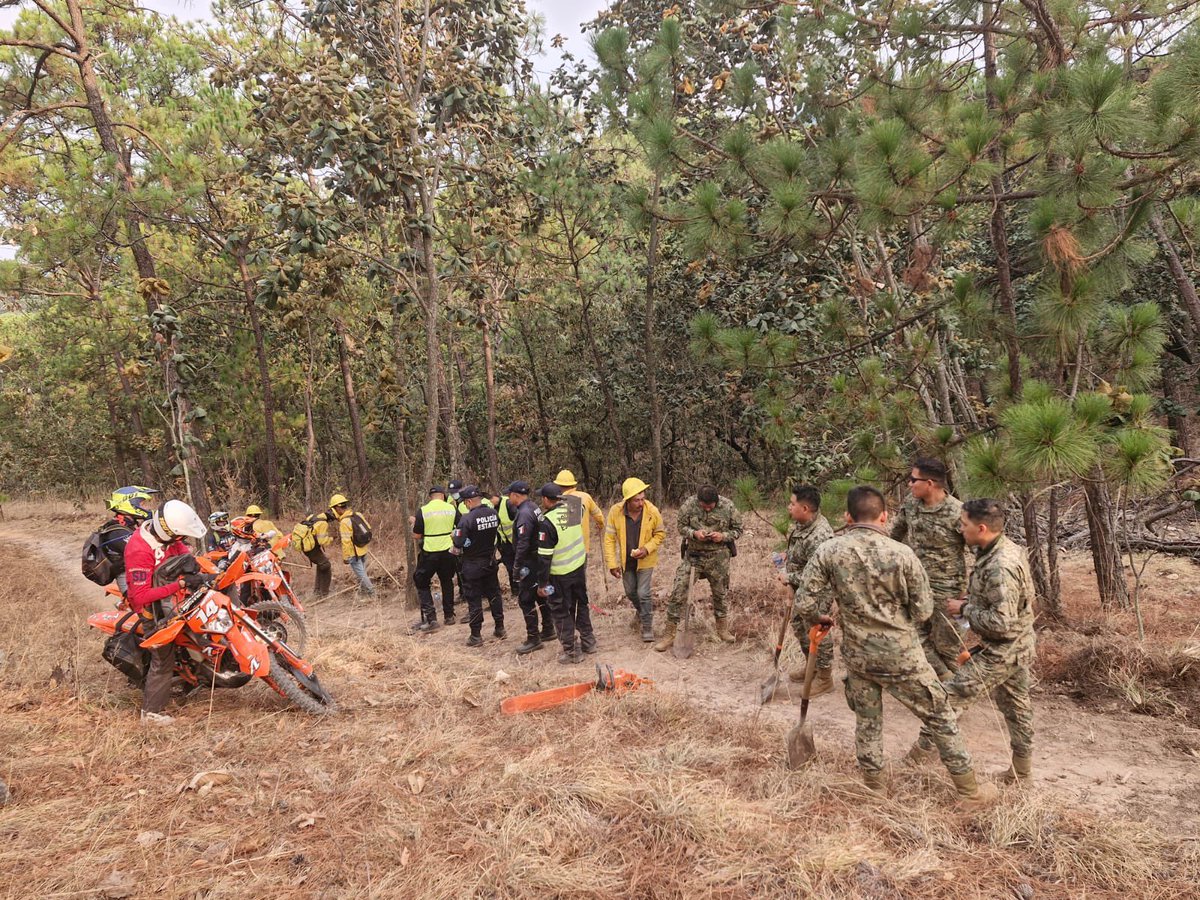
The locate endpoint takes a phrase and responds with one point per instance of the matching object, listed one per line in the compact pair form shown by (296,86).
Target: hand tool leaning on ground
(771,685)
(800,746)
(685,640)
(607,681)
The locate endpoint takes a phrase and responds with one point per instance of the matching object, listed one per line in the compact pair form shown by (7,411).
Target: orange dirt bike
(270,597)
(218,643)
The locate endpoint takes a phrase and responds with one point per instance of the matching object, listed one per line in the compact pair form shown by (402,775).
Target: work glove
(195,580)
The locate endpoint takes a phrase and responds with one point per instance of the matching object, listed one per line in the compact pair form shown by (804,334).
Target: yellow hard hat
(631,487)
(338,500)
(565,478)
(254,510)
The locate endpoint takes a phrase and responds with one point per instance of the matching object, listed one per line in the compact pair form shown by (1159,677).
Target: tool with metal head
(800,746)
(767,692)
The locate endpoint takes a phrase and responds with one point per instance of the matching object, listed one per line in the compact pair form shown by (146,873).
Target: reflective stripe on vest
(506,522)
(439,525)
(569,552)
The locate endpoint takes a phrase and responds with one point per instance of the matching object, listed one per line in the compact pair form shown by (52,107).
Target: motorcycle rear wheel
(284,680)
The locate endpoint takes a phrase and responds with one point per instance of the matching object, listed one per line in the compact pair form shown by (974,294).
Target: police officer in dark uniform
(475,541)
(525,518)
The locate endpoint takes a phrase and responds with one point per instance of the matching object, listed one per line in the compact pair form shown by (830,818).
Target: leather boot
(428,627)
(723,631)
(668,638)
(876,782)
(647,623)
(1020,773)
(919,755)
(822,683)
(588,643)
(569,657)
(972,794)
(549,633)
(531,644)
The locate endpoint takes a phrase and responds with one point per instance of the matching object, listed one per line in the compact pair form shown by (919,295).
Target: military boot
(668,638)
(570,657)
(919,754)
(587,643)
(972,794)
(797,675)
(822,683)
(429,626)
(876,782)
(1020,773)
(723,632)
(531,644)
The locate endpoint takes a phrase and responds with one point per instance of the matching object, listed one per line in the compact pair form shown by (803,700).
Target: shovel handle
(967,654)
(816,634)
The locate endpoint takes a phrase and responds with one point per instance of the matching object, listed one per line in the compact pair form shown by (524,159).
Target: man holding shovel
(883,597)
(809,530)
(999,606)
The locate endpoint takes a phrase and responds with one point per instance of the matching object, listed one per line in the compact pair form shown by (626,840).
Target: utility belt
(686,548)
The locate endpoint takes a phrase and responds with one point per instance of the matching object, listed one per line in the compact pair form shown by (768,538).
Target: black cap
(455,485)
(517,487)
(468,493)
(437,489)
(552,490)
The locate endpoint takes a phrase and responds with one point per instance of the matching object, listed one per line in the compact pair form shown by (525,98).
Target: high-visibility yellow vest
(439,525)
(463,509)
(506,522)
(569,553)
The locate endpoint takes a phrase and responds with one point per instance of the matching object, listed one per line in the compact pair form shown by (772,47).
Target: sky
(562,17)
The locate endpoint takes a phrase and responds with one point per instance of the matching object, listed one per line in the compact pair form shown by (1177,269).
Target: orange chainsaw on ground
(607,681)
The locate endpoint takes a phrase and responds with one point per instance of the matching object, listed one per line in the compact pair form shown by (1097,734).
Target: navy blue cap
(552,490)
(468,493)
(437,489)
(455,485)
(517,487)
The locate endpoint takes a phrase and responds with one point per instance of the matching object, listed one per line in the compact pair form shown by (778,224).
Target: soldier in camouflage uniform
(928,522)
(808,531)
(999,606)
(709,524)
(882,595)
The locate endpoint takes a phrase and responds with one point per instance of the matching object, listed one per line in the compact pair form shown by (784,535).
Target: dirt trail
(1121,763)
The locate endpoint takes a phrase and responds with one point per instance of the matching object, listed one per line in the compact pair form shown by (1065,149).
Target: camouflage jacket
(724,518)
(802,540)
(1000,599)
(882,595)
(933,532)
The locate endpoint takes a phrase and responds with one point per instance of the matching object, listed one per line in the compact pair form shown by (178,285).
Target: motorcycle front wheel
(303,690)
(283,622)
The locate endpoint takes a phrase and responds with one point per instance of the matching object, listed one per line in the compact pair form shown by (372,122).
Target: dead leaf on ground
(471,700)
(117,885)
(416,783)
(146,838)
(203,782)
(308,820)
(404,857)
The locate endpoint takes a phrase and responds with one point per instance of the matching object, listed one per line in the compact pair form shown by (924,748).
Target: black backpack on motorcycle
(97,567)
(123,650)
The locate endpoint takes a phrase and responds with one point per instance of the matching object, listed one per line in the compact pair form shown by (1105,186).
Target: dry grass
(422,789)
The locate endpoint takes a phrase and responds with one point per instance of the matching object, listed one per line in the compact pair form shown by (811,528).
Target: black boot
(451,619)
(587,643)
(569,657)
(531,644)
(548,632)
(475,640)
(500,632)
(429,627)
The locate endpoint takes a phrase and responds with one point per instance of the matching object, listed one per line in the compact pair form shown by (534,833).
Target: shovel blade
(801,748)
(685,645)
(767,692)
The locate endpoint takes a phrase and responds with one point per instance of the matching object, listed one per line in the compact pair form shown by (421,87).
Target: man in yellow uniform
(632,536)
(588,508)
(311,536)
(355,533)
(264,527)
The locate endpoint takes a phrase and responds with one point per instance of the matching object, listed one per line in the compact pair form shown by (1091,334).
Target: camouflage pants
(805,617)
(925,697)
(941,639)
(1005,676)
(712,566)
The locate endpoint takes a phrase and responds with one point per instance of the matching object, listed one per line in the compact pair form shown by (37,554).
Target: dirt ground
(1093,754)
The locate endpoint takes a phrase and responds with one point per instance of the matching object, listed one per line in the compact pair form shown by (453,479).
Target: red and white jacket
(143,554)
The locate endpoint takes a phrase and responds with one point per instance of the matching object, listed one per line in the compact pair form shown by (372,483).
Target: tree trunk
(543,419)
(360,446)
(461,402)
(1182,393)
(399,364)
(454,445)
(187,450)
(489,383)
(1053,598)
(135,418)
(433,356)
(1102,535)
(264,383)
(1188,297)
(310,431)
(649,343)
(1033,546)
(998,226)
(115,430)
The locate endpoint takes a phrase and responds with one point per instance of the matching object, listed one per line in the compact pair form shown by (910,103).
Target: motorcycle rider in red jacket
(148,547)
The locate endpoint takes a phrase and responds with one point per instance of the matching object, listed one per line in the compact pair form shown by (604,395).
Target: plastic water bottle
(437,598)
(549,590)
(778,560)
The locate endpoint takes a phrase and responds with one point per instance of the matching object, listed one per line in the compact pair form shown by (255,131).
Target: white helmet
(176,519)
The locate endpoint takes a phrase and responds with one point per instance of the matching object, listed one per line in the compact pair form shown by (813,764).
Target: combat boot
(647,623)
(876,782)
(723,632)
(797,675)
(475,640)
(920,755)
(587,643)
(822,683)
(569,657)
(428,627)
(667,639)
(531,644)
(972,794)
(1019,774)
